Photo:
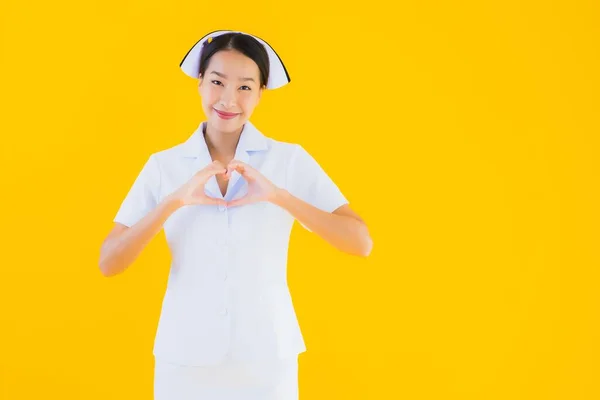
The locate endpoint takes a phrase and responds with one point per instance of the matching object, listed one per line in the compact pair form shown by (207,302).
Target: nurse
(227,198)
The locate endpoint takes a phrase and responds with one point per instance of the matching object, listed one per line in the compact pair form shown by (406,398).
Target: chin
(227,125)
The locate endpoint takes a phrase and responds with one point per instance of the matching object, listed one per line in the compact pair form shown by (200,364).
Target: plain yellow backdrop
(464,132)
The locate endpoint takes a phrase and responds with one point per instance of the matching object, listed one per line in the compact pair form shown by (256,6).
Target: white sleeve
(142,196)
(308,181)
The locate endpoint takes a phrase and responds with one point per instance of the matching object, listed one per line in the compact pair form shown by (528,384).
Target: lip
(225,115)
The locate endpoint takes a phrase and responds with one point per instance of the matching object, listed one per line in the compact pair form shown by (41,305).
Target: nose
(228,98)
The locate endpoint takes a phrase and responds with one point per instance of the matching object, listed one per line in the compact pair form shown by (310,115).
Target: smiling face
(230,90)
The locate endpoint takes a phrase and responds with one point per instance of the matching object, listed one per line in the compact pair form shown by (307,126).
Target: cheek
(209,95)
(209,104)
(248,102)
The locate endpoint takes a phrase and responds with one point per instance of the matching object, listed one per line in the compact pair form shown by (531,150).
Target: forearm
(121,251)
(347,234)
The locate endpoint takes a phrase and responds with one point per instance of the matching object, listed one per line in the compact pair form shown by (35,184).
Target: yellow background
(465,133)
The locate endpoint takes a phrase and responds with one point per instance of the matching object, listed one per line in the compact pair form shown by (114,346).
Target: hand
(259,187)
(192,192)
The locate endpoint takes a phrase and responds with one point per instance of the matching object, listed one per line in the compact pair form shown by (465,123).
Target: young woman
(227,198)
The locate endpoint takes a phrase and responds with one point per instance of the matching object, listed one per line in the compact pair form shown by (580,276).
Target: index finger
(240,167)
(212,169)
(216,164)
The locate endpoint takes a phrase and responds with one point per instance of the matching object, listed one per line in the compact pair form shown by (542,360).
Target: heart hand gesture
(192,192)
(259,187)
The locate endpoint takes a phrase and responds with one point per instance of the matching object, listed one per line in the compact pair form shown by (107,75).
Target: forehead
(233,64)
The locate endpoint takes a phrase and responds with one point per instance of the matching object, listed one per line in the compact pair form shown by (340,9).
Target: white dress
(228,381)
(228,329)
(258,379)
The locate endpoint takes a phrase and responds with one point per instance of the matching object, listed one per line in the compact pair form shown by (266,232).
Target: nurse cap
(278,75)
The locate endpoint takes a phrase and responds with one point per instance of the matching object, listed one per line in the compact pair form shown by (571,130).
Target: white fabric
(230,381)
(229,266)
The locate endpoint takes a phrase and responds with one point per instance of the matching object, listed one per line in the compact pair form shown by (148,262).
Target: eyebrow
(225,76)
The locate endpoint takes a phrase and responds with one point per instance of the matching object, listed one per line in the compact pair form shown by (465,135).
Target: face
(230,90)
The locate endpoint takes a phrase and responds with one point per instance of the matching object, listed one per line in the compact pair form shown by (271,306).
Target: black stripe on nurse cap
(278,74)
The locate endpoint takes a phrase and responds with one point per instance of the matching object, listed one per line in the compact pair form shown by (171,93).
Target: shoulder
(292,153)
(293,157)
(279,148)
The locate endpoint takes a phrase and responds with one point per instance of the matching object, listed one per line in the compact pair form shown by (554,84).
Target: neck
(221,143)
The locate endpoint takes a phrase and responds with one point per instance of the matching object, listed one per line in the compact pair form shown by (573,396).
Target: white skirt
(227,381)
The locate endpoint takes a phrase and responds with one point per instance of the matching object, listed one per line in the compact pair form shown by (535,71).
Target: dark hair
(245,44)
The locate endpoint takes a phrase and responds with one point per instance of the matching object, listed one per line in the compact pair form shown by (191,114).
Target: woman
(227,198)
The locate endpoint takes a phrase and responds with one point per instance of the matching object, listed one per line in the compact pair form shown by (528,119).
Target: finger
(210,170)
(238,163)
(228,173)
(241,201)
(213,201)
(216,168)
(217,163)
(244,169)
(218,171)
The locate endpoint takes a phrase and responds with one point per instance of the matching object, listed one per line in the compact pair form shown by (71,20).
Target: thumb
(214,201)
(241,201)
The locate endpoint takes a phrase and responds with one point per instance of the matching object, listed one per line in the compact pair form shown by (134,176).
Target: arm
(313,199)
(342,228)
(124,244)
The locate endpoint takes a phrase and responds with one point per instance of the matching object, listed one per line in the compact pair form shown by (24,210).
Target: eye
(216,82)
(247,88)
